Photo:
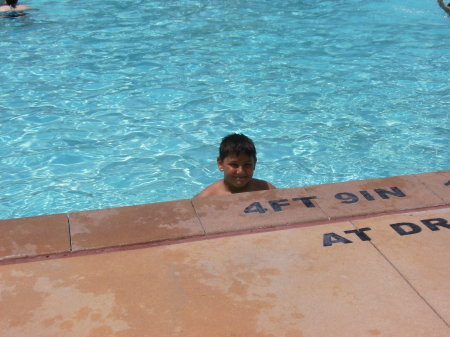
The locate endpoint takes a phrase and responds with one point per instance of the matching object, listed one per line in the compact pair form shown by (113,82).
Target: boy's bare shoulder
(261,185)
(213,189)
(6,8)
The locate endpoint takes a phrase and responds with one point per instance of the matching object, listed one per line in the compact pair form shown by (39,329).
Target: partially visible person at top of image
(237,161)
(10,9)
(444,6)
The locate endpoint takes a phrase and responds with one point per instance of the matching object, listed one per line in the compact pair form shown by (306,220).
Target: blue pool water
(111,104)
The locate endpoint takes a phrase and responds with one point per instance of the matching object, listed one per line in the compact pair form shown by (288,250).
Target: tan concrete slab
(133,225)
(261,209)
(421,253)
(34,236)
(354,198)
(282,283)
(438,182)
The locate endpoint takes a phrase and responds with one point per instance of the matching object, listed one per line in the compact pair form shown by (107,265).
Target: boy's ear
(220,163)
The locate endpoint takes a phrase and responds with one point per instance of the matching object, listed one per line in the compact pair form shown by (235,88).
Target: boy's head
(237,160)
(237,144)
(12,3)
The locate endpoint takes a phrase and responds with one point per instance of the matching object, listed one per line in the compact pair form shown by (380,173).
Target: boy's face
(237,170)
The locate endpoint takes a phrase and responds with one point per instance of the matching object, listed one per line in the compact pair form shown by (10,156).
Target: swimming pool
(111,105)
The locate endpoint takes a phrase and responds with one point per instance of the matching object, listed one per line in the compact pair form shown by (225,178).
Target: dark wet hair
(12,3)
(236,144)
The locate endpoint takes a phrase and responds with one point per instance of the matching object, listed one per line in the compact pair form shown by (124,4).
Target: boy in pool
(11,9)
(237,160)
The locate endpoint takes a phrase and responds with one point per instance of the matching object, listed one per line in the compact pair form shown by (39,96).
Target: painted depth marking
(401,228)
(343,197)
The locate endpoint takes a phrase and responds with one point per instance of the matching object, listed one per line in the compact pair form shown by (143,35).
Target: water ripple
(119,105)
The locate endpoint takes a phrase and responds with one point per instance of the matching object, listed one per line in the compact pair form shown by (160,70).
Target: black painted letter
(394,191)
(433,223)
(255,208)
(367,195)
(360,233)
(276,204)
(306,201)
(331,238)
(410,228)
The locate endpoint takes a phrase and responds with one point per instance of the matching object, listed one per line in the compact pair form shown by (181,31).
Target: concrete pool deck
(359,258)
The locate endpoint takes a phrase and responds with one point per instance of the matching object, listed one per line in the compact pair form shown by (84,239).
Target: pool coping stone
(168,222)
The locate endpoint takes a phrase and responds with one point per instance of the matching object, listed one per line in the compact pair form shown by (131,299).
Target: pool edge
(131,227)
